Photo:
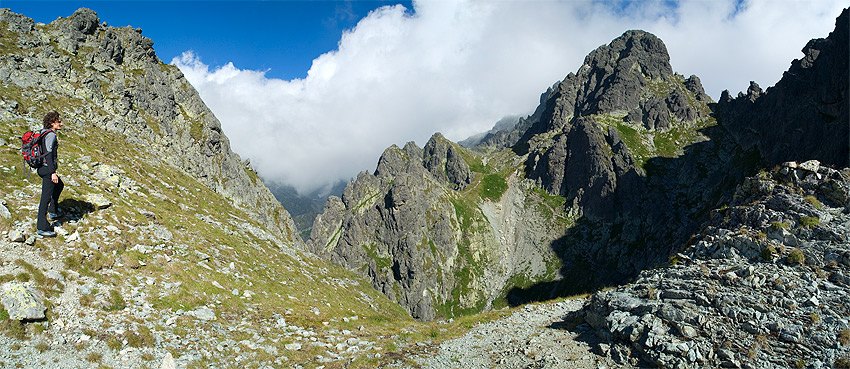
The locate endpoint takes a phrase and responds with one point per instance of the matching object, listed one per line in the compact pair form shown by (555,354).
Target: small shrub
(767,252)
(6,278)
(775,226)
(94,357)
(86,300)
(815,318)
(796,257)
(809,222)
(147,356)
(13,328)
(39,328)
(23,277)
(73,262)
(143,338)
(114,343)
(42,347)
(842,363)
(813,201)
(844,337)
(800,363)
(116,301)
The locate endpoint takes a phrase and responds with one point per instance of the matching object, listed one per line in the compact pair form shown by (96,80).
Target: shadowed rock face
(806,114)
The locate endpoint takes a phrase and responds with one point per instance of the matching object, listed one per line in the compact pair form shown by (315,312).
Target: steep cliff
(421,230)
(762,282)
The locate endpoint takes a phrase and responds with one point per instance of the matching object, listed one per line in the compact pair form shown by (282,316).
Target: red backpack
(32,147)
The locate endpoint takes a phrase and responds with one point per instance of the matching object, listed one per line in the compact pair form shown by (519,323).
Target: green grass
(116,301)
(813,201)
(796,257)
(493,186)
(779,225)
(809,222)
(644,144)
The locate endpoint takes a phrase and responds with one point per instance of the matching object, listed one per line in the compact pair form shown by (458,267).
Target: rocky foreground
(764,285)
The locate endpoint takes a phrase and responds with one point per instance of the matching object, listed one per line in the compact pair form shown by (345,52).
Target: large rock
(22,302)
(4,212)
(735,283)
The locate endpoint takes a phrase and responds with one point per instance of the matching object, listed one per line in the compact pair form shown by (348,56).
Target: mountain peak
(616,73)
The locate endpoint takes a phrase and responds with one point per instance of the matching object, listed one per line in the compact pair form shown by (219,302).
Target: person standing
(51,184)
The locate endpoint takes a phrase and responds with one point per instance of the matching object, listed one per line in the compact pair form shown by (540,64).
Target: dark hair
(50,118)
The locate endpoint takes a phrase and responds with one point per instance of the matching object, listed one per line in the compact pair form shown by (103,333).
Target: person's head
(52,121)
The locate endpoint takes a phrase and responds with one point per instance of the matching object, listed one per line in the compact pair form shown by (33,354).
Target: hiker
(51,184)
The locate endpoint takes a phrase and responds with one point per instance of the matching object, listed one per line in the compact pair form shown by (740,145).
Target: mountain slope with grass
(619,166)
(446,230)
(170,249)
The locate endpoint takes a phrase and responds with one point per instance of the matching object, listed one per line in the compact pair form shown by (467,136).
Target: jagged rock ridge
(409,228)
(132,93)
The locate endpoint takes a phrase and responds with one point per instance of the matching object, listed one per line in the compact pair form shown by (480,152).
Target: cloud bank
(457,67)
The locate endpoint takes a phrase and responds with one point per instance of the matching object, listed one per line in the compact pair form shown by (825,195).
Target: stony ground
(536,336)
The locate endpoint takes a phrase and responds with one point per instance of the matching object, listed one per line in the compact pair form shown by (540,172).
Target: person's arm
(49,146)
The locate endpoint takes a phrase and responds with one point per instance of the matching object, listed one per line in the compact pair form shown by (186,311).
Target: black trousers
(49,198)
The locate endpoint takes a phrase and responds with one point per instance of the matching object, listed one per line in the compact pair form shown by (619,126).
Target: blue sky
(281,37)
(333,83)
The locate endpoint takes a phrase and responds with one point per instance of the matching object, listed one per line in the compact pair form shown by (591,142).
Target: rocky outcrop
(762,285)
(443,160)
(628,86)
(415,228)
(111,77)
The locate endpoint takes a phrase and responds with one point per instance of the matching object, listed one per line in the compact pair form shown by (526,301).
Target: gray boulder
(4,212)
(22,302)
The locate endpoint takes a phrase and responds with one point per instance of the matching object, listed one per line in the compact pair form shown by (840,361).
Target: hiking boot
(54,216)
(46,233)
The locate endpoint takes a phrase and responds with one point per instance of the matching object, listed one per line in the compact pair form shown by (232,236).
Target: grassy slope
(210,242)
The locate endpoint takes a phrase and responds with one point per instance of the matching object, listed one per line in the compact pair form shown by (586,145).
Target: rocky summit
(671,230)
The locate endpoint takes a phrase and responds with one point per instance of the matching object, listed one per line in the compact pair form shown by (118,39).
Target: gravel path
(534,337)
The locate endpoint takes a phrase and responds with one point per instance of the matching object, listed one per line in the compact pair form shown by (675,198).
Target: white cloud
(456,67)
